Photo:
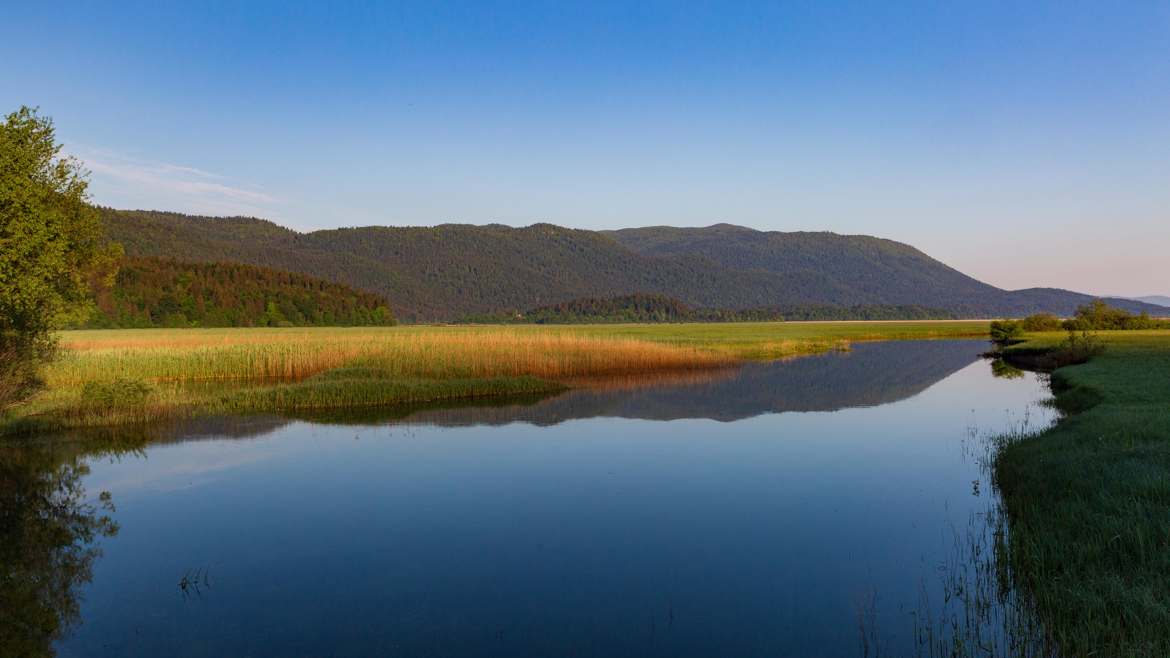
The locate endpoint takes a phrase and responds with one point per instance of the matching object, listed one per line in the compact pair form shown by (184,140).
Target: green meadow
(1089,500)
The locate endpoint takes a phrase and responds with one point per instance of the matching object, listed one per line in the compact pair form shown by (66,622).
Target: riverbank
(124,376)
(1089,500)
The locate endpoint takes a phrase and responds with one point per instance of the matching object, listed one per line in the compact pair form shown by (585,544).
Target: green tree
(51,246)
(1006,331)
(1041,322)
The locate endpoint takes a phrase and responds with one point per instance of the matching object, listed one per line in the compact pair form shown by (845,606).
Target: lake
(822,506)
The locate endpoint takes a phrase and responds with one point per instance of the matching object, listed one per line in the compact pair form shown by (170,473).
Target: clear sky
(1023,143)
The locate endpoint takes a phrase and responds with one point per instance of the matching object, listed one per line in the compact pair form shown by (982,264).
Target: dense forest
(660,308)
(452,271)
(160,292)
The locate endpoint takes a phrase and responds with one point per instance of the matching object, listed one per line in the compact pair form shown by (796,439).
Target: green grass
(109,377)
(1089,501)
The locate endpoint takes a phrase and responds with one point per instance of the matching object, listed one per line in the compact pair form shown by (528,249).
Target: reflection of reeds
(640,380)
(194,582)
(977,609)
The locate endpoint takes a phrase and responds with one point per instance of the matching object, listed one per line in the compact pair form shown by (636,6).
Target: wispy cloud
(126,181)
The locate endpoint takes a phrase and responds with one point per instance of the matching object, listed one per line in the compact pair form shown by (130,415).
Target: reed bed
(136,375)
(407,354)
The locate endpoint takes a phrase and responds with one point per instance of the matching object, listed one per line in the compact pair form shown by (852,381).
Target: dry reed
(439,355)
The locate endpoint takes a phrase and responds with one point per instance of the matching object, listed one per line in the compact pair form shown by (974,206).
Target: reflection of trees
(48,535)
(1005,370)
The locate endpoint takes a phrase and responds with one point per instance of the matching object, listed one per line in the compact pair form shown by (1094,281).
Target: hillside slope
(157,292)
(1156,300)
(454,270)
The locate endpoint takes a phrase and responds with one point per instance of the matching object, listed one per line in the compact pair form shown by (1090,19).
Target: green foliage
(1041,322)
(1006,331)
(119,393)
(660,308)
(455,271)
(51,246)
(156,292)
(1097,315)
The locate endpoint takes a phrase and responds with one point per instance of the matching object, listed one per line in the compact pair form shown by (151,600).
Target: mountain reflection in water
(871,374)
(500,527)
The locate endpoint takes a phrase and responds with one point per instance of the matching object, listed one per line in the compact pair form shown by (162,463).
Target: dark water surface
(783,509)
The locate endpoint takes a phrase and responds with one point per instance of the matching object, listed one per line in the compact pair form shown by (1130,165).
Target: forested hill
(451,271)
(873,270)
(660,308)
(157,292)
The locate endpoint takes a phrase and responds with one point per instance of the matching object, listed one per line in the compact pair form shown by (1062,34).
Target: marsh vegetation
(1088,500)
(119,376)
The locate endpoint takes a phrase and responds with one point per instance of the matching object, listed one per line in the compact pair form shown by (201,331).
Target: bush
(117,394)
(1041,322)
(1006,331)
(1099,315)
(1080,346)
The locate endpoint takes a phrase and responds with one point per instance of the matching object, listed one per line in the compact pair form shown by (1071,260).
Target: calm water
(755,512)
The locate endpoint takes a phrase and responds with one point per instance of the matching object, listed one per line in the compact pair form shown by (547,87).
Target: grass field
(118,376)
(1089,501)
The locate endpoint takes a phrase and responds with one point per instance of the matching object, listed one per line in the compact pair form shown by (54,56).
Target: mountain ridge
(1156,300)
(450,271)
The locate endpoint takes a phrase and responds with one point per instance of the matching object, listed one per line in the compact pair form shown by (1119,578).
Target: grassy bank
(117,376)
(1089,501)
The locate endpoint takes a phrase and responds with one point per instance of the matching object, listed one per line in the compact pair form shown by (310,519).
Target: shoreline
(1088,500)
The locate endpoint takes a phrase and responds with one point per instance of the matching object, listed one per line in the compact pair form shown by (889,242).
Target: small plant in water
(976,608)
(194,582)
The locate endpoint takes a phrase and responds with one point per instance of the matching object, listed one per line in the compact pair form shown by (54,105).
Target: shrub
(1006,331)
(1080,346)
(1099,315)
(1041,322)
(117,394)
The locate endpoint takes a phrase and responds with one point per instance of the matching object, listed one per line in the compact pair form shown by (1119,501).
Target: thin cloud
(132,182)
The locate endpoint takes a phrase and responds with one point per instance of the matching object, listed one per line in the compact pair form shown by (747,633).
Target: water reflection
(49,533)
(576,524)
(870,375)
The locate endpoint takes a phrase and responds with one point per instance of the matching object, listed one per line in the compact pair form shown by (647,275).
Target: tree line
(1097,315)
(161,292)
(663,308)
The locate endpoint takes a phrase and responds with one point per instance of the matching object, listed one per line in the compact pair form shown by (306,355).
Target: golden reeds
(157,356)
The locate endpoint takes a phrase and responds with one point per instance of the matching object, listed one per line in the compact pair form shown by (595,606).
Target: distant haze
(1160,300)
(1023,143)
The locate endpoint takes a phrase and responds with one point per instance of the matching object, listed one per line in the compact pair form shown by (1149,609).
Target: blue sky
(1023,143)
